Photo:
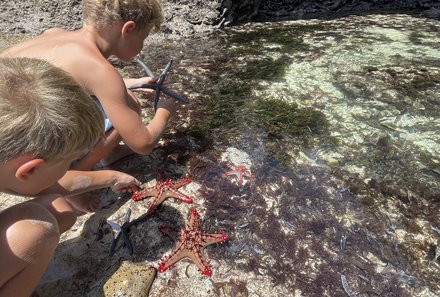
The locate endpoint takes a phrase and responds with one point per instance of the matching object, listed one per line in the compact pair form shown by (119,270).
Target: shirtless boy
(46,121)
(116,28)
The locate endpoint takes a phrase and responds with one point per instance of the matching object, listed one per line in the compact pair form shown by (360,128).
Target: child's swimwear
(107,123)
(107,126)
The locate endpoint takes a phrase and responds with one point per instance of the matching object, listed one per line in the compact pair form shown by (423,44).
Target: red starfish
(239,171)
(191,244)
(161,191)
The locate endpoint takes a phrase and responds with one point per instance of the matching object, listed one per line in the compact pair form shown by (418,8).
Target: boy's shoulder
(54,31)
(56,45)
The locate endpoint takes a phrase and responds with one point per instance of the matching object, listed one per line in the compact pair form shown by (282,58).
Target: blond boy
(46,121)
(116,28)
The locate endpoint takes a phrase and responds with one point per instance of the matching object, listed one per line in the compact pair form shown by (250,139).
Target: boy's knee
(61,209)
(66,220)
(31,231)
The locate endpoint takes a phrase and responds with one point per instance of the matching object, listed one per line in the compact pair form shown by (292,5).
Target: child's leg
(102,149)
(117,154)
(29,234)
(109,150)
(62,210)
(85,202)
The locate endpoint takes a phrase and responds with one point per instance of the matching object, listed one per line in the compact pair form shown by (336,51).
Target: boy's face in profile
(41,175)
(134,43)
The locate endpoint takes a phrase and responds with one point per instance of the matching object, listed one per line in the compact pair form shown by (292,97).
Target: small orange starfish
(191,243)
(239,171)
(161,191)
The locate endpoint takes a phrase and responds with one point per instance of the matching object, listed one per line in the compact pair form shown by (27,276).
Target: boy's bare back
(73,51)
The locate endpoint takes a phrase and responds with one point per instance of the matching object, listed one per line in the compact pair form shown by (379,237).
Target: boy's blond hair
(44,113)
(102,13)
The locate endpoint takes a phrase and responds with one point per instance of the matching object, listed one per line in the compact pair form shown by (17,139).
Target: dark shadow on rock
(82,264)
(240,12)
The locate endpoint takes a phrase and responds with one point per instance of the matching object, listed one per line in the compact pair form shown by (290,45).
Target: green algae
(283,39)
(234,101)
(278,118)
(265,69)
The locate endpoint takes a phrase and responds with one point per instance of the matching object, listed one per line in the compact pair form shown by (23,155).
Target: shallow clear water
(339,123)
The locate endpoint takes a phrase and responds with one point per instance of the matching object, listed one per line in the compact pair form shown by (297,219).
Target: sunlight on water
(339,123)
(337,81)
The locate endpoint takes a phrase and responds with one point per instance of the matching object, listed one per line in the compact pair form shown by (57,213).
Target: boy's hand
(169,104)
(123,182)
(143,80)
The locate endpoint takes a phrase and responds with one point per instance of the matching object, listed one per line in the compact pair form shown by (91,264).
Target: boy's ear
(128,27)
(25,170)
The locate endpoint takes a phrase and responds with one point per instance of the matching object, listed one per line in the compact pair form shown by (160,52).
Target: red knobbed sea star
(239,172)
(191,243)
(161,191)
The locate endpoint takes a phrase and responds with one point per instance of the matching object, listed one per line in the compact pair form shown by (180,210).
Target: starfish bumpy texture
(161,191)
(191,243)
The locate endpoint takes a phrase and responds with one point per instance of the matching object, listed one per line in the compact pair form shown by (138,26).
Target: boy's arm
(76,182)
(121,109)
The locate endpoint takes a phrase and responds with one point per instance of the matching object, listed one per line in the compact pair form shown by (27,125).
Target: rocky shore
(186,17)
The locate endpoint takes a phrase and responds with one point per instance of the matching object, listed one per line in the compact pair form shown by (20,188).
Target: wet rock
(384,141)
(131,279)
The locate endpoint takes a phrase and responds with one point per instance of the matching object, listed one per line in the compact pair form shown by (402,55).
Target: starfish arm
(237,168)
(160,82)
(142,86)
(145,193)
(229,173)
(174,95)
(112,247)
(167,68)
(158,199)
(128,243)
(115,241)
(197,257)
(175,184)
(167,193)
(238,174)
(170,193)
(144,67)
(193,219)
(212,238)
(115,226)
(156,98)
(179,253)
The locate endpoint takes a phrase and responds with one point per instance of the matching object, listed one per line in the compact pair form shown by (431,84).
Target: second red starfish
(191,243)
